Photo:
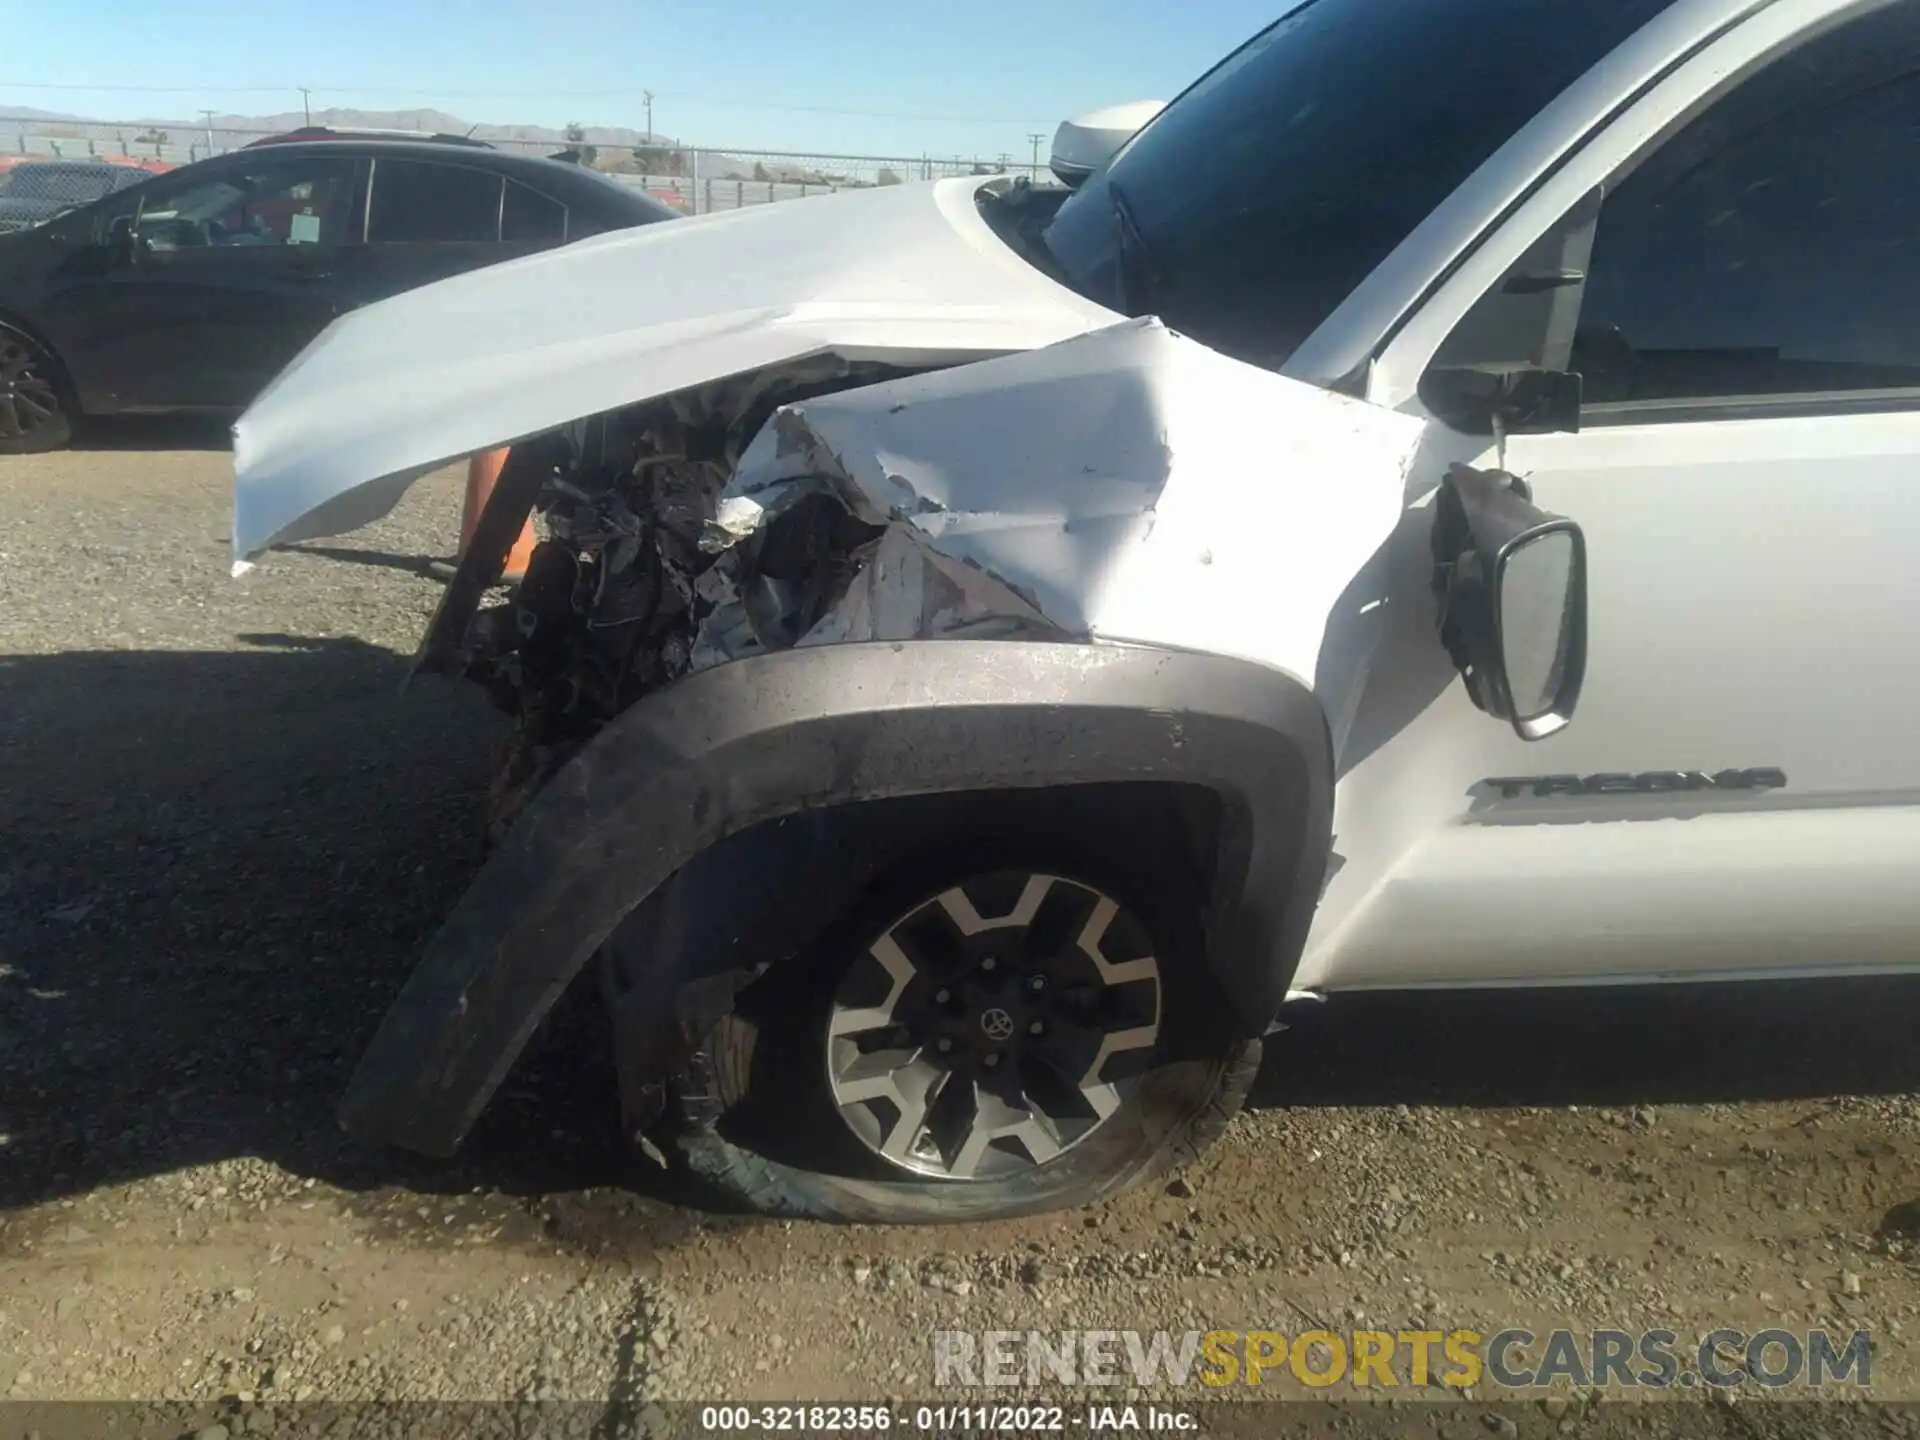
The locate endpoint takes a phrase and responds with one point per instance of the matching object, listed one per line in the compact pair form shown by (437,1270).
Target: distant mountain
(428,122)
(27,112)
(439,121)
(231,131)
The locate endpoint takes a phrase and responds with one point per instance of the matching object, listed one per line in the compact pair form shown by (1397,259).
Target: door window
(419,202)
(1766,256)
(528,217)
(268,203)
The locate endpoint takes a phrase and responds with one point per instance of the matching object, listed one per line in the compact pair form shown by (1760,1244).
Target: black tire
(35,413)
(757,1119)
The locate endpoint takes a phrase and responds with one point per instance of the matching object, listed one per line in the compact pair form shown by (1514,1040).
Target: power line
(753,151)
(148,89)
(464,93)
(837,110)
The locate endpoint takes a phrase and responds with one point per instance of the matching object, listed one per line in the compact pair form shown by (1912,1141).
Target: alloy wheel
(994,1026)
(28,399)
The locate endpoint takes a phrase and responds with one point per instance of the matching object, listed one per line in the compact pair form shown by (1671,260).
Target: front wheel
(977,1039)
(33,415)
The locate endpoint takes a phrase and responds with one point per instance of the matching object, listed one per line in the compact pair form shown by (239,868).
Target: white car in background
(993,645)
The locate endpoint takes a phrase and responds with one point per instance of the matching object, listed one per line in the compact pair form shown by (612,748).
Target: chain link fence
(694,180)
(138,147)
(698,182)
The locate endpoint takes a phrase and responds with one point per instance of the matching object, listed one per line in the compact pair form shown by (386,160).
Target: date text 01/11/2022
(940,1419)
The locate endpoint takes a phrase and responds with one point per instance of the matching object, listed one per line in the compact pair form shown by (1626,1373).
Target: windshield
(1259,199)
(66,184)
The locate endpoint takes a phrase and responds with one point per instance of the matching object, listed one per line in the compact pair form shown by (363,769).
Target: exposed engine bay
(637,581)
(625,572)
(1094,489)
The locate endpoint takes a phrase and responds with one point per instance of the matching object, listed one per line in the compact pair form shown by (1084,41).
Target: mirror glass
(1537,620)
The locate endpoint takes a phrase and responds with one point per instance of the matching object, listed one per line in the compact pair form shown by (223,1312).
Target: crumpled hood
(1126,485)
(909,274)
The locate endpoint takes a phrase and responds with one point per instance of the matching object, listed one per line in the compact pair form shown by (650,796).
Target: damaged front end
(1042,575)
(1125,486)
(635,584)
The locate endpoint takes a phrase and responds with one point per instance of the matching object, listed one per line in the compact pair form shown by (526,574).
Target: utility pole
(1036,139)
(306,102)
(208,115)
(648,95)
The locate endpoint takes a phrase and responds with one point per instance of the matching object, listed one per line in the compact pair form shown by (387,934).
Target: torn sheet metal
(1126,485)
(905,274)
(901,589)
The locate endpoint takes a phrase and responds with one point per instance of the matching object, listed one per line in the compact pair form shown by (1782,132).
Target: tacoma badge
(1647,782)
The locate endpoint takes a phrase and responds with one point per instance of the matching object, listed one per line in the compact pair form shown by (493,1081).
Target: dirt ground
(227,834)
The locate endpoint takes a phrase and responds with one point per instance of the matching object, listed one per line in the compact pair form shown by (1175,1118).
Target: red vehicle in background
(126,162)
(147,165)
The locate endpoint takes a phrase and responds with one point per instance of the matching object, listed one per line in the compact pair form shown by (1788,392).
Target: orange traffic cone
(483,473)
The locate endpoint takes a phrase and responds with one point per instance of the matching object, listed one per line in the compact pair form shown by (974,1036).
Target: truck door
(1740,792)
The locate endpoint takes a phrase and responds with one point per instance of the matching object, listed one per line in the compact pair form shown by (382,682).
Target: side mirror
(1512,585)
(1084,144)
(1509,402)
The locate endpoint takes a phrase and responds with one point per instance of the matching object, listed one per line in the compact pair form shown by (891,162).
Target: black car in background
(191,290)
(36,192)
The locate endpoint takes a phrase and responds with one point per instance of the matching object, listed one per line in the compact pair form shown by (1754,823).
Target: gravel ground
(227,836)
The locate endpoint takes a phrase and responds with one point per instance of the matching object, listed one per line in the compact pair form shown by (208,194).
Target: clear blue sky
(966,77)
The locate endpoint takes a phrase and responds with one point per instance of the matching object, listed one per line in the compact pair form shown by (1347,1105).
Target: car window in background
(415,202)
(1773,246)
(632,205)
(1259,199)
(528,216)
(269,203)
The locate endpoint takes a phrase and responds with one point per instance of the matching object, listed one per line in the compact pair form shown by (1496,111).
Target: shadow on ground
(219,868)
(1615,1046)
(154,432)
(430,566)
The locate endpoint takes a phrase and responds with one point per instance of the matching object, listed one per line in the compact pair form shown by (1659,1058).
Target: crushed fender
(1129,485)
(1125,486)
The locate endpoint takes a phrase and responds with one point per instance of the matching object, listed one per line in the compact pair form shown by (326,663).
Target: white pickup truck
(993,645)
